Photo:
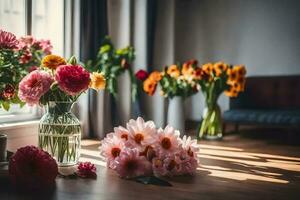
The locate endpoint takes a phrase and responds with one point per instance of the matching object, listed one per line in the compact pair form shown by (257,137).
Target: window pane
(12,16)
(48,22)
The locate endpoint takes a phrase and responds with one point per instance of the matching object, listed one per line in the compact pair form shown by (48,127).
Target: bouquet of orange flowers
(215,79)
(175,80)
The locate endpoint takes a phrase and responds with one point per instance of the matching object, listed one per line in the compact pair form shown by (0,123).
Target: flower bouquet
(57,85)
(112,63)
(17,58)
(177,82)
(143,150)
(215,79)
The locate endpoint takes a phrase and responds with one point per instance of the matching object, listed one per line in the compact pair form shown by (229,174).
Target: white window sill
(18,125)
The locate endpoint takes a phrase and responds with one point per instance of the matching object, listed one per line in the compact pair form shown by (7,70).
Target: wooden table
(235,168)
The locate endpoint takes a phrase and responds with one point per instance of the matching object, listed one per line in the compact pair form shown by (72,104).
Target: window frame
(37,111)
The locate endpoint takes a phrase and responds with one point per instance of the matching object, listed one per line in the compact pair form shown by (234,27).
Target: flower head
(190,146)
(219,68)
(32,167)
(34,85)
(86,170)
(72,79)
(53,61)
(46,46)
(97,81)
(111,147)
(155,76)
(8,92)
(141,75)
(173,71)
(186,164)
(149,86)
(168,140)
(121,132)
(130,164)
(141,133)
(8,40)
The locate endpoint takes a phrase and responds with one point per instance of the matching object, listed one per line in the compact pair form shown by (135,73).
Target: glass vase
(211,125)
(60,133)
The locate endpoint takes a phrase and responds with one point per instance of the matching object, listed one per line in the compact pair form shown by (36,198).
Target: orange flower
(149,86)
(240,69)
(187,69)
(173,71)
(155,76)
(232,92)
(232,75)
(198,73)
(53,61)
(219,68)
(208,68)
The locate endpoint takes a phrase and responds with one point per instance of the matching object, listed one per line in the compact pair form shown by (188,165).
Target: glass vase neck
(54,107)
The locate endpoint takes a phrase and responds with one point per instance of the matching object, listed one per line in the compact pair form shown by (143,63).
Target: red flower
(32,168)
(141,75)
(86,170)
(8,92)
(72,79)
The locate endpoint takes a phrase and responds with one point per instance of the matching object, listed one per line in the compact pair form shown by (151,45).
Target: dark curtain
(93,27)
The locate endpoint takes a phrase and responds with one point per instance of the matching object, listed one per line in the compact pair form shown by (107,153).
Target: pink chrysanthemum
(8,40)
(111,147)
(141,133)
(72,79)
(32,168)
(34,85)
(86,170)
(168,140)
(130,164)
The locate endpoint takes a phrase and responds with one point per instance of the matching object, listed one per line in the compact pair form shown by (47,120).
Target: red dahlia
(72,79)
(32,168)
(86,170)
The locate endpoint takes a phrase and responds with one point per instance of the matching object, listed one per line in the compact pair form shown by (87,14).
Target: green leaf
(5,105)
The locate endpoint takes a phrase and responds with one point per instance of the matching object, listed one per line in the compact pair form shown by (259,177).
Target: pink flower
(8,40)
(111,147)
(8,92)
(168,140)
(141,75)
(190,146)
(86,170)
(187,164)
(141,133)
(72,79)
(129,164)
(26,56)
(25,42)
(34,85)
(32,168)
(121,132)
(46,46)
(166,165)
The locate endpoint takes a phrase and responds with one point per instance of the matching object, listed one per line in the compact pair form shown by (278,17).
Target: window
(44,19)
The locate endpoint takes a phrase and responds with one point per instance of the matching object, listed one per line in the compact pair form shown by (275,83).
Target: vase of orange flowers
(177,82)
(217,78)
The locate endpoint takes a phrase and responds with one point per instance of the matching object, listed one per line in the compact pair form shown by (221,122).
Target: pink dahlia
(168,140)
(111,147)
(130,164)
(72,79)
(86,170)
(34,85)
(8,40)
(32,168)
(141,133)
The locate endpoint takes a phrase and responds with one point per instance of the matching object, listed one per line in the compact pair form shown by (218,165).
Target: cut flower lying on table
(143,150)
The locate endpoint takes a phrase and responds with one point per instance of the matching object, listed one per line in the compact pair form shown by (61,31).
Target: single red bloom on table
(86,170)
(32,168)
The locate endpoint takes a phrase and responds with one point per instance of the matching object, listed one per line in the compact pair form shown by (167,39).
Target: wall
(263,35)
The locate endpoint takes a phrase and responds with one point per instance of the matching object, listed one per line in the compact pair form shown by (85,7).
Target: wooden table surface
(235,168)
